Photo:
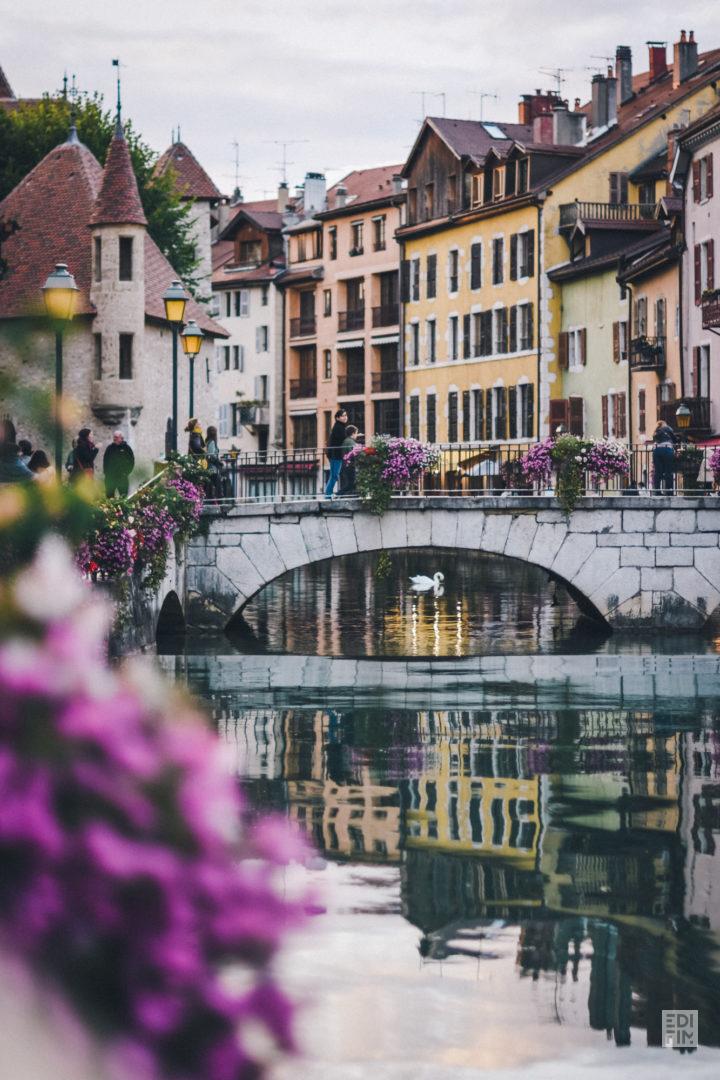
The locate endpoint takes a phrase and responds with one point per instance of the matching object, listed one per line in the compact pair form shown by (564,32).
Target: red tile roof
(365,185)
(222,251)
(158,275)
(191,180)
(227,276)
(263,212)
(119,200)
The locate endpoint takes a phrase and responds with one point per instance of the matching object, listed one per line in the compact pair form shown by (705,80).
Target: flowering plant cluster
(606,458)
(131,880)
(537,463)
(571,458)
(388,464)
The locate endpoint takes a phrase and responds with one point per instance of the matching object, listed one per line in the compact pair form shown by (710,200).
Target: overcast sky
(340,77)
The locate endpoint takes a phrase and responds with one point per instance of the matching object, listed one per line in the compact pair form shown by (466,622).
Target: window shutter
(504,328)
(616,342)
(479,402)
(530,411)
(501,419)
(488,414)
(558,414)
(431,276)
(513,257)
(466,416)
(698,275)
(583,346)
(466,337)
(621,428)
(530,254)
(576,415)
(512,410)
(694,370)
(563,340)
(405,281)
(605,423)
(475,266)
(623,188)
(710,255)
(513,328)
(709,176)
(696,181)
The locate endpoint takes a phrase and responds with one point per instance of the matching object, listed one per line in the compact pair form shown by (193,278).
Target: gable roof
(470,139)
(191,180)
(119,200)
(261,212)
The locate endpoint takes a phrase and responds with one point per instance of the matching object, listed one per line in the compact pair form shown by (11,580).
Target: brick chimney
(623,71)
(283,196)
(685,58)
(657,59)
(537,104)
(599,102)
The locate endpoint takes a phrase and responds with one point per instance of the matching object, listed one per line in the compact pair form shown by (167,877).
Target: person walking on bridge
(664,440)
(334,450)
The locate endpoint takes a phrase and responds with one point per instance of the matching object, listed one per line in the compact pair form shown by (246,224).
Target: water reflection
(364,605)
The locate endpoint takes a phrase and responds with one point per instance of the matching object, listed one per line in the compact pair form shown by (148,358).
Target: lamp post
(682,415)
(60,297)
(175,298)
(192,339)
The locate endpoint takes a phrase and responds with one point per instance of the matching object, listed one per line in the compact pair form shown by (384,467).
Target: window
(498,250)
(97,258)
(415,417)
(432,341)
(498,183)
(126,356)
(126,258)
(620,341)
(700,371)
(476,189)
(327,364)
(476,266)
(646,194)
(484,344)
(429,201)
(250,252)
(454,336)
(614,415)
(304,432)
(641,321)
(618,188)
(660,317)
(242,303)
(261,388)
(415,279)
(527,410)
(452,416)
(702,176)
(356,234)
(510,173)
(466,344)
(466,416)
(500,412)
(226,357)
(577,349)
(264,295)
(526,326)
(642,422)
(500,330)
(228,304)
(522,255)
(379,233)
(478,416)
(236,357)
(431,280)
(332,242)
(415,344)
(327,302)
(453,271)
(97,347)
(704,269)
(523,169)
(431,418)
(576,415)
(262,338)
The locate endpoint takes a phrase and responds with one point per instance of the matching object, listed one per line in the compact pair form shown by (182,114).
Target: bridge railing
(472,468)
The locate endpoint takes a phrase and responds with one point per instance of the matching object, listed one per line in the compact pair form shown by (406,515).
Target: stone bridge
(650,562)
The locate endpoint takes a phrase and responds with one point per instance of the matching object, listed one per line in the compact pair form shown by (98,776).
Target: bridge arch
(597,551)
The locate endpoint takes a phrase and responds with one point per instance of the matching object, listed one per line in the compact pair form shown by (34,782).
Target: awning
(358,344)
(387,339)
(303,412)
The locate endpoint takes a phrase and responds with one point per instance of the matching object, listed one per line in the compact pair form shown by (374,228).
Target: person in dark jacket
(196,443)
(334,450)
(348,473)
(664,439)
(118,464)
(85,453)
(12,469)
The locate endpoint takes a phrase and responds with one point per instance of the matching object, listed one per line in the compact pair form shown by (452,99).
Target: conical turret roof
(119,200)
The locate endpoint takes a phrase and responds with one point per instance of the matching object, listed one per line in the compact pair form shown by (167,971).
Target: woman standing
(196,443)
(663,457)
(85,453)
(39,466)
(214,464)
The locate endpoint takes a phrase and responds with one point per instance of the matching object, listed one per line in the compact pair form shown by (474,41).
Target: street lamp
(192,339)
(682,415)
(175,298)
(60,297)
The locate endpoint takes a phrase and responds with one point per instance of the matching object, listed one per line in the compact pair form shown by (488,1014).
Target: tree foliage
(32,130)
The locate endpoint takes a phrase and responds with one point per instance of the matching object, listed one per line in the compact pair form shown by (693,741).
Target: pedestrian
(70,460)
(214,464)
(25,451)
(196,443)
(39,466)
(118,464)
(334,450)
(12,469)
(664,439)
(348,474)
(84,455)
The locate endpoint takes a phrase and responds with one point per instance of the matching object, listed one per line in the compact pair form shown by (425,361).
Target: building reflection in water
(595,832)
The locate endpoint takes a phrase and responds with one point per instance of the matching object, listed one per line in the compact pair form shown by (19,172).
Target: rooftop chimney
(611,84)
(623,70)
(537,104)
(397,184)
(568,127)
(283,196)
(685,58)
(657,59)
(543,129)
(599,103)
(314,193)
(341,193)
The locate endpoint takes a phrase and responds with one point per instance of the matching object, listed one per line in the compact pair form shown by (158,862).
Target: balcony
(356,251)
(303,388)
(647,354)
(711,310)
(257,415)
(385,382)
(352,383)
(386,315)
(354,319)
(303,326)
(699,414)
(602,213)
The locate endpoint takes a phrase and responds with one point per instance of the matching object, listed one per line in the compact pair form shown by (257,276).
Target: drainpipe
(283,393)
(541,199)
(631,301)
(681,326)
(401,342)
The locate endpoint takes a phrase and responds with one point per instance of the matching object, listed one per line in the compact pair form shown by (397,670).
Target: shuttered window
(527,410)
(452,416)
(476,266)
(431,284)
(466,337)
(512,412)
(641,413)
(466,416)
(478,415)
(431,416)
(575,415)
(513,328)
(558,413)
(415,417)
(500,412)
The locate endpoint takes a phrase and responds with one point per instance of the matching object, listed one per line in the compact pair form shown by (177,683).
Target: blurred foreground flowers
(130,882)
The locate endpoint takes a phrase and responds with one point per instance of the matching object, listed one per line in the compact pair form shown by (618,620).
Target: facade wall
(660,286)
(201,230)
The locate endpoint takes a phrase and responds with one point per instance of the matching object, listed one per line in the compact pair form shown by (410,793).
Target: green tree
(32,130)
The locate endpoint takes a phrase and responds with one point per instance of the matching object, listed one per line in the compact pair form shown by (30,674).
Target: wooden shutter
(696,181)
(641,412)
(475,266)
(558,414)
(531,326)
(479,401)
(623,188)
(431,284)
(698,275)
(529,411)
(466,336)
(605,421)
(583,346)
(563,348)
(466,416)
(504,327)
(513,257)
(512,411)
(621,426)
(614,189)
(405,281)
(501,421)
(695,370)
(530,253)
(710,255)
(513,328)
(576,409)
(488,414)
(616,342)
(709,176)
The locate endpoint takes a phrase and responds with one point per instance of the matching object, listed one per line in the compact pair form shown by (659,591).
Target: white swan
(421,582)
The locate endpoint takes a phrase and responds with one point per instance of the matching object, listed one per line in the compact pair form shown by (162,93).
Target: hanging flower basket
(389,465)
(572,460)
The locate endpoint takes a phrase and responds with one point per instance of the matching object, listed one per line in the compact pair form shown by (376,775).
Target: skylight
(494,131)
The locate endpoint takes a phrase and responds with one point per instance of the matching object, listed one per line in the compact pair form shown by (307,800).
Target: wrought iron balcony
(711,310)
(354,319)
(647,353)
(352,383)
(699,414)
(304,326)
(606,213)
(385,381)
(257,415)
(386,315)
(303,388)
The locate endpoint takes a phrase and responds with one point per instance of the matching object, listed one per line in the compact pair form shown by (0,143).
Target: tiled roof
(158,275)
(119,200)
(365,185)
(191,179)
(472,138)
(243,275)
(51,206)
(262,212)
(221,252)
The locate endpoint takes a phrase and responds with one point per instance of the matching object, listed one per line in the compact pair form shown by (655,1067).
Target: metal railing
(352,383)
(353,319)
(571,213)
(303,326)
(303,388)
(471,469)
(386,315)
(647,353)
(711,310)
(384,382)
(699,413)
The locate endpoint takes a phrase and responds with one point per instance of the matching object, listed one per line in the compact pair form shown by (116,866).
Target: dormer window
(126,258)
(523,176)
(477,189)
(250,252)
(498,183)
(510,177)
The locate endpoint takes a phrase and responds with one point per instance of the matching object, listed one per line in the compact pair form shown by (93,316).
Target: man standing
(118,463)
(334,450)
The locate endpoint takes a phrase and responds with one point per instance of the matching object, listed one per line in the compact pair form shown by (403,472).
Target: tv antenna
(558,74)
(483,96)
(608,59)
(423,94)
(282,166)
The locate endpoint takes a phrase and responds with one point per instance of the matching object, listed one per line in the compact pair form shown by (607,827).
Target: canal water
(514,819)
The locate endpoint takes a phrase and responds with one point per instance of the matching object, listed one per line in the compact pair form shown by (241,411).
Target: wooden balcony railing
(571,213)
(647,353)
(699,414)
(354,319)
(303,326)
(385,381)
(352,383)
(303,388)
(386,315)
(711,310)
